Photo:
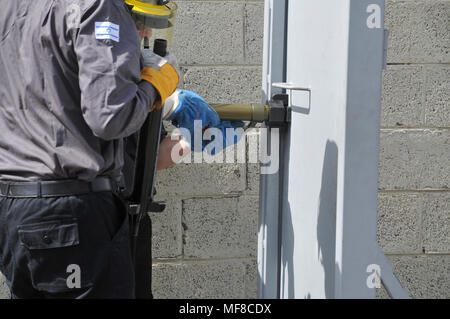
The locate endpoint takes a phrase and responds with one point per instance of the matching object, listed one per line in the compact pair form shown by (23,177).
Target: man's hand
(167,148)
(184,107)
(154,61)
(161,74)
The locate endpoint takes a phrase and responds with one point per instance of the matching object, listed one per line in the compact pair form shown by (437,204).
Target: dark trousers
(66,247)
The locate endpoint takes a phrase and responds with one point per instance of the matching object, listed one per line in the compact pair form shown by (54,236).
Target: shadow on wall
(326,224)
(326,227)
(326,220)
(288,241)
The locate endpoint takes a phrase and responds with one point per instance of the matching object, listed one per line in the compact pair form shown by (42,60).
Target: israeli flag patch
(107,31)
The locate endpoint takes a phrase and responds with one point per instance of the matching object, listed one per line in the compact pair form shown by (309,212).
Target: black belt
(55,188)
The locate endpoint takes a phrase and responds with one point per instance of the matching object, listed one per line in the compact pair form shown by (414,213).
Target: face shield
(155,19)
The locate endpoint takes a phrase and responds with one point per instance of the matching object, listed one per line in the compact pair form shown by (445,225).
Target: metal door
(319,212)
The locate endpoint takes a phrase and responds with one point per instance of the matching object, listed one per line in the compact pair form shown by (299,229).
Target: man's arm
(114,99)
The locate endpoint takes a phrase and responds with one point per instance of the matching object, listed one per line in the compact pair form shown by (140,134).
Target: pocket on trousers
(48,235)
(54,257)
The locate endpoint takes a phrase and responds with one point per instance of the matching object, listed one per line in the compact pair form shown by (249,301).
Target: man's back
(67,97)
(71,92)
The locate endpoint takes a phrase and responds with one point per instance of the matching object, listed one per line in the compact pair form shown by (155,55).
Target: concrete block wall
(206,247)
(205,243)
(414,179)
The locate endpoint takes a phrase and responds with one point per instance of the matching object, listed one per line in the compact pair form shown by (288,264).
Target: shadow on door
(326,227)
(326,219)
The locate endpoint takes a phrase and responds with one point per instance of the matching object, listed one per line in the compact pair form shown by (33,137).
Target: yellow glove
(163,76)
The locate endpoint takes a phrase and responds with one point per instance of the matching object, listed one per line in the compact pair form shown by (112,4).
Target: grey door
(319,212)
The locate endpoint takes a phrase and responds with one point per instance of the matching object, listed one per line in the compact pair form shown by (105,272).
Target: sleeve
(114,100)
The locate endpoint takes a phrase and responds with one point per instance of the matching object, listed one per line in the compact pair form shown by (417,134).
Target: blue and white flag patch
(107,31)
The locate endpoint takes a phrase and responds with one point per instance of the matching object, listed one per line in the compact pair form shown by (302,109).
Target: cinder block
(254,32)
(424,276)
(381,293)
(209,33)
(253,162)
(225,84)
(415,96)
(403,102)
(4,290)
(200,180)
(414,159)
(438,274)
(419,31)
(199,280)
(251,279)
(412,273)
(253,178)
(437,95)
(399,218)
(221,228)
(167,232)
(436,222)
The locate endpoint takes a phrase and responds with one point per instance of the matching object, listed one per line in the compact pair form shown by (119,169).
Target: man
(70,94)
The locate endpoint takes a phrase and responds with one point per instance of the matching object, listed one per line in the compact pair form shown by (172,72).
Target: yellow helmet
(155,19)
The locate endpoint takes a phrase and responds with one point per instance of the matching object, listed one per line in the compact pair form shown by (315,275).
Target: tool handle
(160,47)
(143,192)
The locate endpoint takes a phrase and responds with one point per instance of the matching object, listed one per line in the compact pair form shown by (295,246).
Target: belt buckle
(38,189)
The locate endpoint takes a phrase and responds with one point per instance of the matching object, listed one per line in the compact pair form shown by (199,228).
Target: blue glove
(185,107)
(190,107)
(213,148)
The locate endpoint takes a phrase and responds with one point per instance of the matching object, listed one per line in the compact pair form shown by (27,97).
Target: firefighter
(75,84)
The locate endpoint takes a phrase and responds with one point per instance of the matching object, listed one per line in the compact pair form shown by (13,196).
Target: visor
(153,21)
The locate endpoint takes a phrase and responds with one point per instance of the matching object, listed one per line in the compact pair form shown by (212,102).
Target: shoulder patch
(107,30)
